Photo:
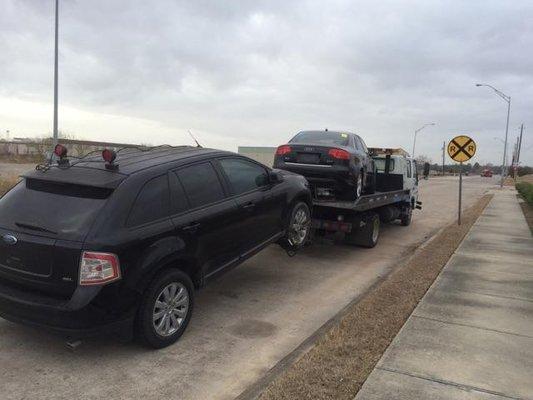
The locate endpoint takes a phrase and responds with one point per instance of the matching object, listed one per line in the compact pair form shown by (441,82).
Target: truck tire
(406,216)
(365,230)
(170,297)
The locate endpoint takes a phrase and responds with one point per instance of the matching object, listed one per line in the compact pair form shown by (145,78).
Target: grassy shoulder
(339,363)
(525,189)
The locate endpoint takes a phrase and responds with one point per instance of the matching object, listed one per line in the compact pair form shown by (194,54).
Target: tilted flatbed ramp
(366,202)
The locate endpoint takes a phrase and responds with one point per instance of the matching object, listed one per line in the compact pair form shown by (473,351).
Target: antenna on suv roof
(193,138)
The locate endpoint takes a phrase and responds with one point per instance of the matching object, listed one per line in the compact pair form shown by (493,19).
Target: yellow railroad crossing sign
(461,148)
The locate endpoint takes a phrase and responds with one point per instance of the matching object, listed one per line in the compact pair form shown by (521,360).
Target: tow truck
(395,198)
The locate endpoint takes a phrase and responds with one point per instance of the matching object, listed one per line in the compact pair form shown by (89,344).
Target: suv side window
(178,198)
(244,175)
(201,184)
(409,174)
(151,203)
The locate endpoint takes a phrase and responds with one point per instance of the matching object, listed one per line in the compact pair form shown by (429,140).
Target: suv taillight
(339,154)
(283,150)
(98,268)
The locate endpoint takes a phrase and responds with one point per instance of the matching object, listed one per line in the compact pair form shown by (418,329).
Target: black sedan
(337,164)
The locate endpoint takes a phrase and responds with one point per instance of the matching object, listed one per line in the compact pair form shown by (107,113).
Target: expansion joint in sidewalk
(460,386)
(472,326)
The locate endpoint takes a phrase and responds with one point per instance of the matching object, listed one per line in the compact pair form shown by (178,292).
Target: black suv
(90,245)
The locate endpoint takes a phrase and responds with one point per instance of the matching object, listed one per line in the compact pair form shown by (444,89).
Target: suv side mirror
(275,177)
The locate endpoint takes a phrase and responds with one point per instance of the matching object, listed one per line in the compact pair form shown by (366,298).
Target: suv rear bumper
(76,317)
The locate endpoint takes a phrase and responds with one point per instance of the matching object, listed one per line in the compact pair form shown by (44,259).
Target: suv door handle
(249,206)
(191,227)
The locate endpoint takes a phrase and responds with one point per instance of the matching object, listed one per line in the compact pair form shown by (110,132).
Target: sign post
(461,148)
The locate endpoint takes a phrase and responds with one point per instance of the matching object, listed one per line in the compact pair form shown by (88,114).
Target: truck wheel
(365,231)
(407,215)
(165,309)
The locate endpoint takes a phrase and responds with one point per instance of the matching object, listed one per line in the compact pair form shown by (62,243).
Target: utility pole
(414,139)
(519,148)
(443,154)
(508,100)
(55,133)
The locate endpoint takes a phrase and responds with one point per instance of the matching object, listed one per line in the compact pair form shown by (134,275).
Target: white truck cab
(400,164)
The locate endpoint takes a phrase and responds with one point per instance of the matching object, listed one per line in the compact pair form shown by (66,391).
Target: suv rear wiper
(34,227)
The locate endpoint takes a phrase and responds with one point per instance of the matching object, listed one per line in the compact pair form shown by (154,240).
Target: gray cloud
(248,72)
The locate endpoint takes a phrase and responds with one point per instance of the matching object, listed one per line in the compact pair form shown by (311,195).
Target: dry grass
(7,182)
(339,363)
(525,178)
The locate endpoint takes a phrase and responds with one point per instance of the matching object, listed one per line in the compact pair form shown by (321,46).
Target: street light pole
(508,100)
(416,132)
(55,133)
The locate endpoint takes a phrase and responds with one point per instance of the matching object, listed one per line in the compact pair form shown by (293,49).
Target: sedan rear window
(62,210)
(322,137)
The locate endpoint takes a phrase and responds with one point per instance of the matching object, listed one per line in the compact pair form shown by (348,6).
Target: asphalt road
(244,324)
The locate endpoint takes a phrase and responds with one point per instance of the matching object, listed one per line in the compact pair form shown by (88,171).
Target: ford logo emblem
(9,239)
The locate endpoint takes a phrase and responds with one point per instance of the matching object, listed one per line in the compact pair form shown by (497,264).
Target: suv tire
(165,309)
(298,227)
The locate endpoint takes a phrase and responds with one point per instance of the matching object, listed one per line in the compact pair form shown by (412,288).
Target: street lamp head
(478,84)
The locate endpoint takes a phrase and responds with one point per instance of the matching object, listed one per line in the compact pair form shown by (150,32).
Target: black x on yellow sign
(461,148)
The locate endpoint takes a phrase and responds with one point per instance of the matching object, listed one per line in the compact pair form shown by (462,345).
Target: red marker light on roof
(109,155)
(60,151)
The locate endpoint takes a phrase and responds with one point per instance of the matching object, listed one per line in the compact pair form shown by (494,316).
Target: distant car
(93,246)
(337,164)
(486,173)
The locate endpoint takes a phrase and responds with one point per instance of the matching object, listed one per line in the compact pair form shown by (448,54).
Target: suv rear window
(54,209)
(322,137)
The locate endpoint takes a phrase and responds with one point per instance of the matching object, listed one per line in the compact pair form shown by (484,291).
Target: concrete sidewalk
(471,336)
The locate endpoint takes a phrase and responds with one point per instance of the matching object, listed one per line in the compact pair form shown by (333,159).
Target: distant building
(264,155)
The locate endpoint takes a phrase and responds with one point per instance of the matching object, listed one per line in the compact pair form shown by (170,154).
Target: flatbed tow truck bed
(360,220)
(366,202)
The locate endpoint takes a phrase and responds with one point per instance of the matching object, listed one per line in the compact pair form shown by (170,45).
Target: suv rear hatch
(43,223)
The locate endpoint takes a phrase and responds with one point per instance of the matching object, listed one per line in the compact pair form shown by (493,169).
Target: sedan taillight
(98,268)
(282,150)
(339,154)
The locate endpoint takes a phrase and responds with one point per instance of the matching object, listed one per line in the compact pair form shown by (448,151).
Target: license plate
(306,158)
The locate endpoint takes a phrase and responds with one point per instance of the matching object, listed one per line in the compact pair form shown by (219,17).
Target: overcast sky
(256,72)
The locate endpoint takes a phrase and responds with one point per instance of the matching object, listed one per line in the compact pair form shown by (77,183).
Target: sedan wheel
(359,189)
